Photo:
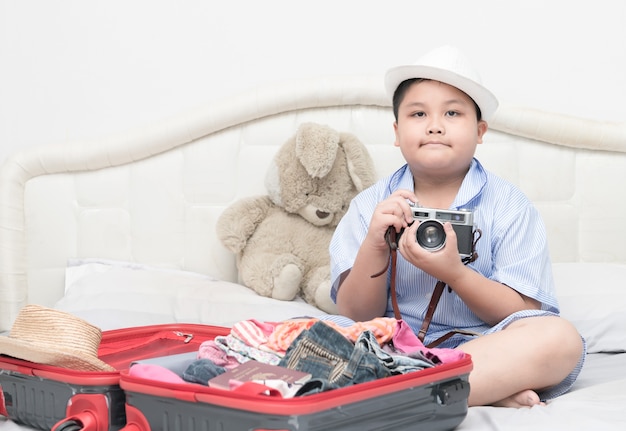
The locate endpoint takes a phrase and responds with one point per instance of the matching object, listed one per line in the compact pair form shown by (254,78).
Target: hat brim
(486,101)
(46,354)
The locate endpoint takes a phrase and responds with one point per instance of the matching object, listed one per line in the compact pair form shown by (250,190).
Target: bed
(120,230)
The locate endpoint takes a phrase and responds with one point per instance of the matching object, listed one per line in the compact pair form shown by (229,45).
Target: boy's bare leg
(530,354)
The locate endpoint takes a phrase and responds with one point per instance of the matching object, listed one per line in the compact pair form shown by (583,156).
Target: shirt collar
(473,184)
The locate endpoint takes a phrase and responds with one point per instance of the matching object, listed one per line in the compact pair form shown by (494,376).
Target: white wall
(78,69)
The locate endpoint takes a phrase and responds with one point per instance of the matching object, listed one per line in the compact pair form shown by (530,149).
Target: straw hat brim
(45,354)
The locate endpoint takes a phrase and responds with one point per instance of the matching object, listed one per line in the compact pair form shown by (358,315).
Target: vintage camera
(431,235)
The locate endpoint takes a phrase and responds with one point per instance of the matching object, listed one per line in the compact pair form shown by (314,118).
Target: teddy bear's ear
(360,164)
(316,148)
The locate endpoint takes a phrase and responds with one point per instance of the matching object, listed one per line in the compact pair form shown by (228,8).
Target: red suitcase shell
(431,399)
(47,397)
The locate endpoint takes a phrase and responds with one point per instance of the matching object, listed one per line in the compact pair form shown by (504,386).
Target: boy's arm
(361,296)
(490,300)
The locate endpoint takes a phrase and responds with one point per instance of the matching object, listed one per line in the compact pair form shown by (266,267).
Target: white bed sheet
(596,402)
(152,295)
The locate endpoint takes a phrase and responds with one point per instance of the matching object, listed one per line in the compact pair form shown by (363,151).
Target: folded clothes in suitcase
(63,399)
(429,399)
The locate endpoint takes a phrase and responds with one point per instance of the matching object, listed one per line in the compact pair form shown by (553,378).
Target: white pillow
(113,294)
(593,297)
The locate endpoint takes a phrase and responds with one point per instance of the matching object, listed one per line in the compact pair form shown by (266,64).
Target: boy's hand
(441,264)
(393,211)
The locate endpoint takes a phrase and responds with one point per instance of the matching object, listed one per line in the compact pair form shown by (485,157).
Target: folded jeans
(331,359)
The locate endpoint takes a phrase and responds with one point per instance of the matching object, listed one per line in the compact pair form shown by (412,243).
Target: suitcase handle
(83,421)
(67,425)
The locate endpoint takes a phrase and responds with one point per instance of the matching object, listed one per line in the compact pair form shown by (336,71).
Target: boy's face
(437,129)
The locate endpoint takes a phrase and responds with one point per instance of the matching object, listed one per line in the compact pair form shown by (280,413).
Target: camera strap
(391,238)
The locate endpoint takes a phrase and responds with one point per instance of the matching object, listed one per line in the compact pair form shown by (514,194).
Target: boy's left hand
(441,264)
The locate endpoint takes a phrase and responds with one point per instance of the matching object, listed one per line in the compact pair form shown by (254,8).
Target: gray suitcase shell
(432,399)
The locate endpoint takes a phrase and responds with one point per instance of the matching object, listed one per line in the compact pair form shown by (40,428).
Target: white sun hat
(47,336)
(448,65)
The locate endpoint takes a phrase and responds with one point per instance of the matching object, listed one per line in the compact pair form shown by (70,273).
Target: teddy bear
(281,239)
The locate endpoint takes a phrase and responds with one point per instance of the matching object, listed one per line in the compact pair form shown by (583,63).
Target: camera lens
(430,235)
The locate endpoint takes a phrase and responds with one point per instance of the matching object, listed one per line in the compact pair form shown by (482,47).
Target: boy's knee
(555,334)
(561,338)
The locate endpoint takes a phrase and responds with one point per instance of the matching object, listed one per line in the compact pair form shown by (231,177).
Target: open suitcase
(60,399)
(430,399)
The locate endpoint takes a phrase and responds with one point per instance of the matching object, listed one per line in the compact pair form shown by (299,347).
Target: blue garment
(201,371)
(395,363)
(332,360)
(512,249)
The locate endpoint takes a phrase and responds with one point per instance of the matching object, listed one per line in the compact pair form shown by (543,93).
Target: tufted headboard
(153,194)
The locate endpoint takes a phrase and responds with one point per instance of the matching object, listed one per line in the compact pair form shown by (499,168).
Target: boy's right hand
(394,211)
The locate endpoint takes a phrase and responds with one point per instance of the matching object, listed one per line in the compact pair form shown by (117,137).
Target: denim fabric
(396,364)
(331,359)
(201,371)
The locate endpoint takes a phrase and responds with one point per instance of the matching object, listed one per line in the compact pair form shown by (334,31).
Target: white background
(80,69)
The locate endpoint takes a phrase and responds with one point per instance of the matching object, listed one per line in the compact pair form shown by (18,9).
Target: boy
(523,352)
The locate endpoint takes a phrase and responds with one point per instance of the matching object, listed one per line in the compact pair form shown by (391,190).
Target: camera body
(431,235)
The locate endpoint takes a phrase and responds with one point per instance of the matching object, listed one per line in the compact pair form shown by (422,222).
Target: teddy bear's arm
(238,222)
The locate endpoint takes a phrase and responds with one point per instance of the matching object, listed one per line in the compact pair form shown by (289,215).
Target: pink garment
(405,341)
(154,372)
(211,350)
(383,329)
(286,332)
(253,332)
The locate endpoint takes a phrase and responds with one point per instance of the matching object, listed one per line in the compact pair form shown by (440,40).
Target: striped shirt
(512,249)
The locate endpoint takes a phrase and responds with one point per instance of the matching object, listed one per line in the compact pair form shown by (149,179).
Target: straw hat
(52,337)
(448,65)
